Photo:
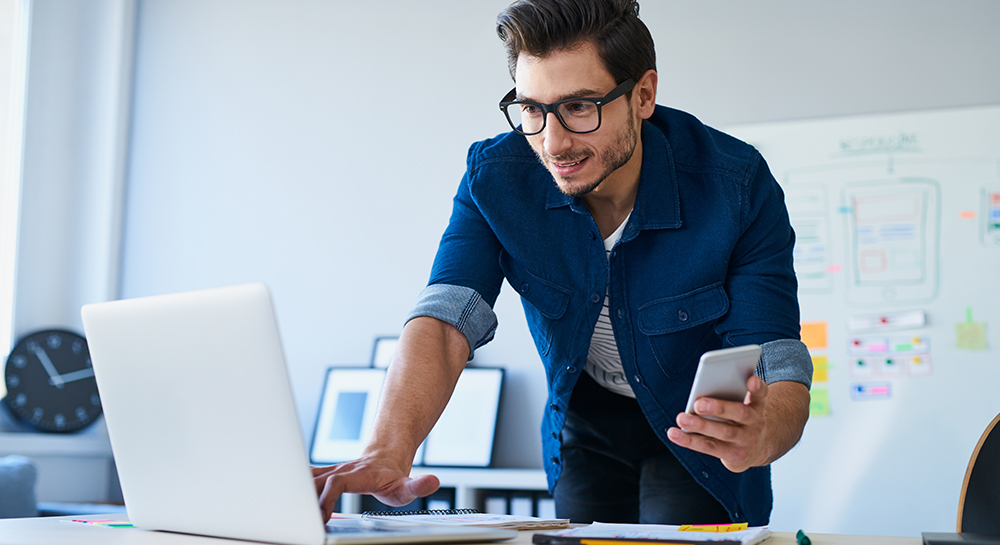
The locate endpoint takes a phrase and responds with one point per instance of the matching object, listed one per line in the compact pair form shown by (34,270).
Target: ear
(644,93)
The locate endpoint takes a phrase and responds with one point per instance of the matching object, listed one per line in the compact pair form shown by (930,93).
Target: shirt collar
(657,205)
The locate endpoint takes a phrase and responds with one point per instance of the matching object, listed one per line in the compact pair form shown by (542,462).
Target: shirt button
(682,315)
(571,369)
(555,407)
(525,287)
(555,460)
(591,235)
(638,379)
(595,298)
(619,311)
(704,474)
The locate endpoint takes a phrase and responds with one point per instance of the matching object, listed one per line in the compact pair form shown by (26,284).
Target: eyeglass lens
(576,115)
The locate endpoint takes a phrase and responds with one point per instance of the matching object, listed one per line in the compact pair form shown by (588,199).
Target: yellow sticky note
(819,402)
(820,369)
(714,527)
(813,334)
(971,336)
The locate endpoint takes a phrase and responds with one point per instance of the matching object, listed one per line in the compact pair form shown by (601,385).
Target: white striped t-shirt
(604,364)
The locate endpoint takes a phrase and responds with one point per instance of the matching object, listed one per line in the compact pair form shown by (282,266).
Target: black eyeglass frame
(508,100)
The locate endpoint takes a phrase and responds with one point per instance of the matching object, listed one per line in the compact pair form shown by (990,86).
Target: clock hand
(54,378)
(75,375)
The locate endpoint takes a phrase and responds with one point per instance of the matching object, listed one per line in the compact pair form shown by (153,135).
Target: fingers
(734,411)
(332,489)
(388,486)
(735,456)
(319,470)
(728,430)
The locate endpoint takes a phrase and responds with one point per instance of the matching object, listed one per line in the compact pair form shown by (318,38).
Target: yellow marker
(714,527)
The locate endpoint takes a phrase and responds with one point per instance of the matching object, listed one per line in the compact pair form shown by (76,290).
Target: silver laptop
(203,426)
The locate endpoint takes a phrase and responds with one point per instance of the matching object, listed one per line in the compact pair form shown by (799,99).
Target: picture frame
(382,351)
(346,413)
(464,435)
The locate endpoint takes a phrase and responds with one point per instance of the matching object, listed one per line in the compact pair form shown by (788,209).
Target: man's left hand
(739,440)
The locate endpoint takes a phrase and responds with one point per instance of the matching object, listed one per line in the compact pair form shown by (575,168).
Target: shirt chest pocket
(676,326)
(544,301)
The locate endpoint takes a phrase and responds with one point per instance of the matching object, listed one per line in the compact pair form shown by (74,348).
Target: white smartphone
(723,374)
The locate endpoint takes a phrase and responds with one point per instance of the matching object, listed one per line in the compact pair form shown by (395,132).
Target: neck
(612,201)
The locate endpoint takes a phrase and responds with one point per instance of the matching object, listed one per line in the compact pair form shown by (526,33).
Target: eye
(530,110)
(579,108)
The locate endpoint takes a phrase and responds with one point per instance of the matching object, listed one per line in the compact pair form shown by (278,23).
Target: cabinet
(71,468)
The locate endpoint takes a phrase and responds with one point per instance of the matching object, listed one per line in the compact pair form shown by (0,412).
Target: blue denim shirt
(704,262)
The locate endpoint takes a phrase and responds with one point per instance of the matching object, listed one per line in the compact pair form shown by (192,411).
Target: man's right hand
(429,359)
(389,485)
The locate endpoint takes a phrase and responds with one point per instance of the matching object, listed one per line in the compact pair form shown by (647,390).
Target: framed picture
(463,436)
(382,351)
(346,413)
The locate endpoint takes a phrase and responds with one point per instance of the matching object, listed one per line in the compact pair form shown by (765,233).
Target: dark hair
(539,27)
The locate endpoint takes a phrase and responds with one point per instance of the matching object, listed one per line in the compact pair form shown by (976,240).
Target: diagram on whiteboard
(897,256)
(893,228)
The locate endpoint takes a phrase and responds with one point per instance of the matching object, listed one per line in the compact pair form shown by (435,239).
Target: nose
(555,138)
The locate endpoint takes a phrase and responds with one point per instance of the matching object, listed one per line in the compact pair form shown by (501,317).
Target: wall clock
(50,381)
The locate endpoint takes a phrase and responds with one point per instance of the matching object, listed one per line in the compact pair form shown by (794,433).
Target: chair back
(979,503)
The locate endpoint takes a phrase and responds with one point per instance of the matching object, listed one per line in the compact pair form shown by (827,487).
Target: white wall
(76,107)
(11,93)
(315,145)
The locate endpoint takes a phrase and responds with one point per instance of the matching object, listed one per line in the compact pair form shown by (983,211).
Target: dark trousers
(615,469)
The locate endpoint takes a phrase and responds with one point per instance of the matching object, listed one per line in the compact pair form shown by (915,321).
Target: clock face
(50,381)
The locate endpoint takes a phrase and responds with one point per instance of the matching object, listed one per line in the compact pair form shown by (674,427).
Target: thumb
(409,490)
(756,390)
(423,486)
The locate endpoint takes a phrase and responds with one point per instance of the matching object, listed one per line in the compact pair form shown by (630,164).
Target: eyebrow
(579,93)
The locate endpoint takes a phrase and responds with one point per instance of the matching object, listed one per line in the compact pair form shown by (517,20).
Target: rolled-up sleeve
(461,307)
(785,359)
(466,277)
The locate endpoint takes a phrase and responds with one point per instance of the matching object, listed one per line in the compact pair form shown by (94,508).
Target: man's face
(579,163)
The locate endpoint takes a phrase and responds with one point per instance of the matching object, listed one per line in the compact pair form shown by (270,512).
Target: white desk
(60,531)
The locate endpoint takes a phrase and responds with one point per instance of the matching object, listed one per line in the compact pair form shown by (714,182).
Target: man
(638,239)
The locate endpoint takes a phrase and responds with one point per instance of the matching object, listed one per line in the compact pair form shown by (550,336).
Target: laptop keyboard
(359,529)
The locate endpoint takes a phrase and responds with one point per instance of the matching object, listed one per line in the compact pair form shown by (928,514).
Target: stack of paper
(598,532)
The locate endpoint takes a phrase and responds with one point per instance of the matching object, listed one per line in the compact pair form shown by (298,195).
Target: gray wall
(316,145)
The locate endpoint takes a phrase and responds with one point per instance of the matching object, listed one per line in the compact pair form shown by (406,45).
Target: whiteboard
(897,219)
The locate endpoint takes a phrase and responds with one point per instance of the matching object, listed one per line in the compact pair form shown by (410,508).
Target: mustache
(569,157)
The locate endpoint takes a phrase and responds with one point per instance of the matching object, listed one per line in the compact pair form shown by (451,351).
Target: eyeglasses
(579,115)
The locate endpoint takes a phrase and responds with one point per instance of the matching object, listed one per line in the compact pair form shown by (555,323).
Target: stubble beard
(614,158)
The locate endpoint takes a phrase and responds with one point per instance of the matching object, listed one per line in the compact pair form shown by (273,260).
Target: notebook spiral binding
(421,512)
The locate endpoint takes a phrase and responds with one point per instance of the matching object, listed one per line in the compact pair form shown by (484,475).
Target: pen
(802,538)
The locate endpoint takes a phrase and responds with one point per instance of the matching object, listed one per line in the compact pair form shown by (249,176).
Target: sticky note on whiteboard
(911,319)
(866,391)
(814,335)
(819,402)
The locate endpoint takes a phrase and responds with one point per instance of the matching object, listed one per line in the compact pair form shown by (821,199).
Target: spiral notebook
(469,517)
